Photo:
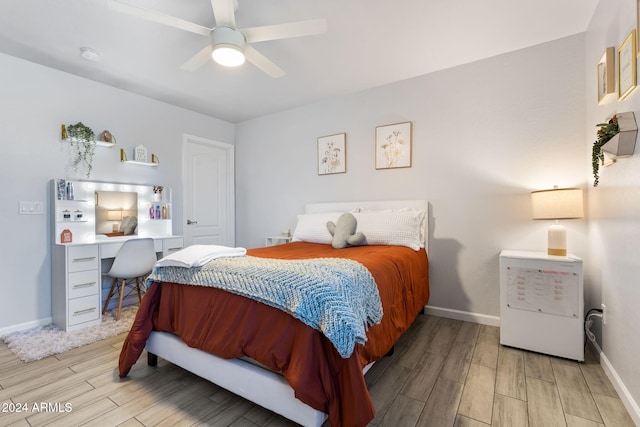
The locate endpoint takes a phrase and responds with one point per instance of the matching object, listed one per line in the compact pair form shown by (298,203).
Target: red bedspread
(231,326)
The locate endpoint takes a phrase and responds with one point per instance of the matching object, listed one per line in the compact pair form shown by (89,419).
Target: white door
(209,192)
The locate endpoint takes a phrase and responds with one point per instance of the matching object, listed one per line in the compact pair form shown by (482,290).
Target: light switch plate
(31,208)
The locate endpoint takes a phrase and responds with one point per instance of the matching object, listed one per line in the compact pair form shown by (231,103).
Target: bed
(274,359)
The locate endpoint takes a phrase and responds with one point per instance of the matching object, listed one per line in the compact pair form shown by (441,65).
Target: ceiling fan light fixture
(228,46)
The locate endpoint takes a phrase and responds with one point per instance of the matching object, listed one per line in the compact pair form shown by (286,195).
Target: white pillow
(401,228)
(422,223)
(313,227)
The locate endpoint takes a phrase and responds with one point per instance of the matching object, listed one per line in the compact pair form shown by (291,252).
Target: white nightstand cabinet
(542,303)
(76,283)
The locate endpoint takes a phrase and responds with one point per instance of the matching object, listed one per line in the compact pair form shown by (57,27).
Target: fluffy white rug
(44,341)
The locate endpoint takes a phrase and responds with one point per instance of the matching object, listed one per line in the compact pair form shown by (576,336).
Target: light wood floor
(443,373)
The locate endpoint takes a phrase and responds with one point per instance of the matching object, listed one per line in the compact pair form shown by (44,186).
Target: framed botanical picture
(332,154)
(627,65)
(606,74)
(393,146)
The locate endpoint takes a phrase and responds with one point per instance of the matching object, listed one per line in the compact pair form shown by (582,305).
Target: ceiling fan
(229,45)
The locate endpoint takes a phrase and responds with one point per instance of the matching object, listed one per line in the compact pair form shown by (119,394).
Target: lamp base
(557,240)
(556,252)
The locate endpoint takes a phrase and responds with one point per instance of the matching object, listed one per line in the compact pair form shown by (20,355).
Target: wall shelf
(98,143)
(623,143)
(154,160)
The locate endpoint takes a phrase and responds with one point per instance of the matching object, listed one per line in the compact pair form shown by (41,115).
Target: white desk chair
(134,260)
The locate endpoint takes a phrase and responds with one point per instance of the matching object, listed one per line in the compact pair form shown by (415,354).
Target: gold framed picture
(627,80)
(393,146)
(332,154)
(606,74)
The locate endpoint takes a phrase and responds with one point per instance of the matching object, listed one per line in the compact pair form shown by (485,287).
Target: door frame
(230,151)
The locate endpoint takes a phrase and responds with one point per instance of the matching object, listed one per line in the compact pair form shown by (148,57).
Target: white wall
(484,136)
(34,102)
(613,269)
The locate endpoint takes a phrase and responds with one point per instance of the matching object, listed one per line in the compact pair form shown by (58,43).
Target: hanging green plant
(82,139)
(607,131)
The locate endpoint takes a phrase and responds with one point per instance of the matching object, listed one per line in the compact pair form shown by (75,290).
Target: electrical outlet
(604,308)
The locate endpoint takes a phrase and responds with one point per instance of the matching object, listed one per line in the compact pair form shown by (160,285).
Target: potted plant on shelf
(605,132)
(82,139)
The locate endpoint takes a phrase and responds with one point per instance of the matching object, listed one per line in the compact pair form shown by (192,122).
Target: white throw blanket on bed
(199,255)
(339,297)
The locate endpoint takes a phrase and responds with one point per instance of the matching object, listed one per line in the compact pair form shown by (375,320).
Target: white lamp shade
(559,203)
(114,215)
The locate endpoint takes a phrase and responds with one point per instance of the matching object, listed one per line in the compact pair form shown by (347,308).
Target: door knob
(189,222)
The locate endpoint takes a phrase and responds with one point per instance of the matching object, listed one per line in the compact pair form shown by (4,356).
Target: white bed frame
(260,385)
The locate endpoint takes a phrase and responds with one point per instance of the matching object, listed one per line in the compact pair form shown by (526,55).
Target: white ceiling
(368,43)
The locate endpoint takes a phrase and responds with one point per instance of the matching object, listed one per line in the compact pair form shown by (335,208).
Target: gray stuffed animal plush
(344,232)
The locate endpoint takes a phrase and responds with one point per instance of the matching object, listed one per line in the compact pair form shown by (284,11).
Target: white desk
(76,275)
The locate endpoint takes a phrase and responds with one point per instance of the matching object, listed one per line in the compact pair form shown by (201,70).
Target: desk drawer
(83,283)
(109,250)
(83,310)
(171,245)
(82,258)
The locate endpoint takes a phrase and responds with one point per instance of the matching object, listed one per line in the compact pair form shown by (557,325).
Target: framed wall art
(393,146)
(332,154)
(627,65)
(606,74)
(140,154)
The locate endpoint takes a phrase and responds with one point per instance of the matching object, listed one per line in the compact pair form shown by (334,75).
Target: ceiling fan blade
(284,31)
(261,61)
(223,13)
(198,60)
(159,17)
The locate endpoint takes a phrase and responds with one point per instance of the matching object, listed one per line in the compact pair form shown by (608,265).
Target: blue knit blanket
(338,297)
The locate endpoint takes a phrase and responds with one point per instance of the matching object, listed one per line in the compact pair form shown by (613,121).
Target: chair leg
(139,292)
(106,303)
(122,288)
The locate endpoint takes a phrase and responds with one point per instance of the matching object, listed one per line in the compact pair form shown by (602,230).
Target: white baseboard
(24,326)
(483,319)
(616,381)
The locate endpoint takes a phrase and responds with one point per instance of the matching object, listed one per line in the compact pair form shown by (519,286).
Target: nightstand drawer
(83,283)
(83,309)
(82,258)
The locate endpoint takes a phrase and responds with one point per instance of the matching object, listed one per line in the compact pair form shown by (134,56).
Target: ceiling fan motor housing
(228,46)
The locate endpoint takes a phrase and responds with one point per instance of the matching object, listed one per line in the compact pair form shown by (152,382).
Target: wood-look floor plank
(510,376)
(545,409)
(573,390)
(404,411)
(477,396)
(163,409)
(596,378)
(612,411)
(442,406)
(133,407)
(486,351)
(424,376)
(444,337)
(387,388)
(462,421)
(191,413)
(509,412)
(538,366)
(573,421)
(410,355)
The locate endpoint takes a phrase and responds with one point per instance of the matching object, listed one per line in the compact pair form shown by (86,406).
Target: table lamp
(115,215)
(556,204)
